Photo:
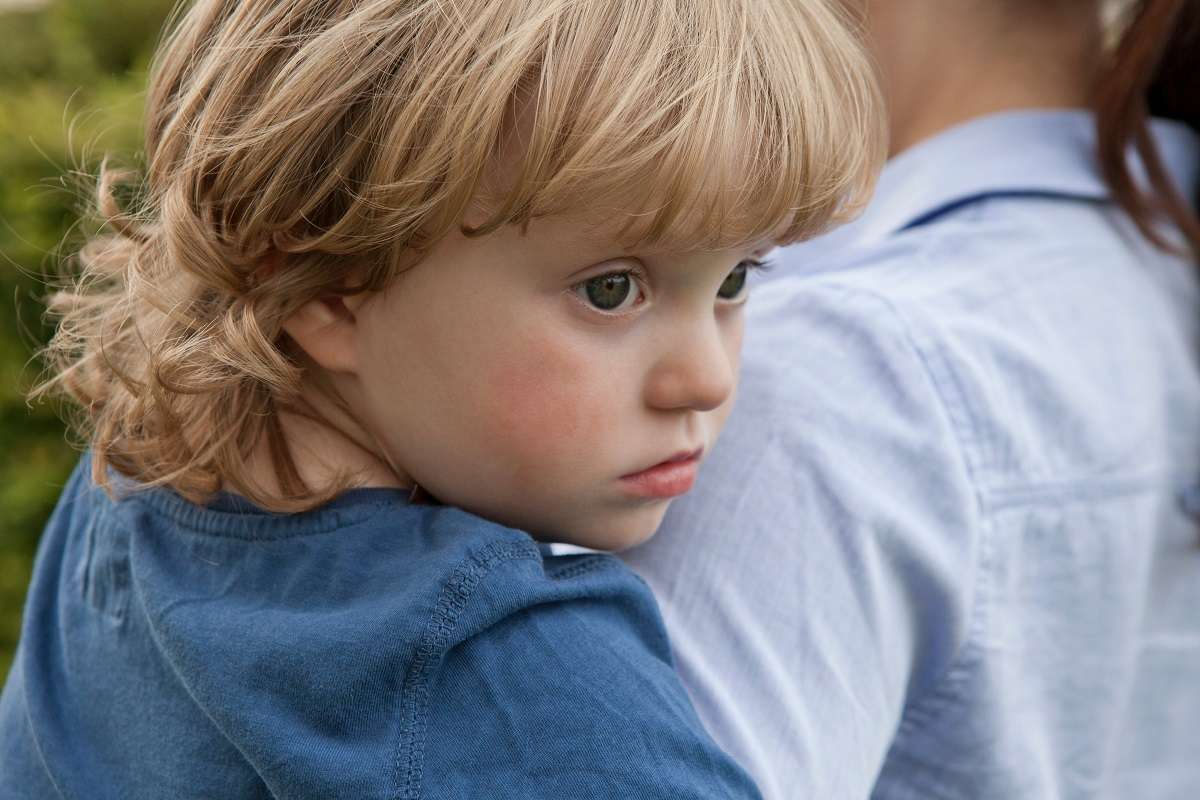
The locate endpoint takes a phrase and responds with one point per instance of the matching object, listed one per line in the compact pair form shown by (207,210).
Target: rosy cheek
(541,400)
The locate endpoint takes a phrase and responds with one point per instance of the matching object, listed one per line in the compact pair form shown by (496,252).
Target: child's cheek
(539,402)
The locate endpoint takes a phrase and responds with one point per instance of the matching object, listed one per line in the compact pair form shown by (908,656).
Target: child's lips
(669,478)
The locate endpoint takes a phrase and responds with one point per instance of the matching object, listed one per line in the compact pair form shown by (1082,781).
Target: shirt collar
(1028,153)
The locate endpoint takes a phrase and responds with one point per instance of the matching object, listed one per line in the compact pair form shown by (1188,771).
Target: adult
(947,546)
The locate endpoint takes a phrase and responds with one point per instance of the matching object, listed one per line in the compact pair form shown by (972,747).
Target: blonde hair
(353,134)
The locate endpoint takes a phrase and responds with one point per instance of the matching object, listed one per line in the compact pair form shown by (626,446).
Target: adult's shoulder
(1011,315)
(845,342)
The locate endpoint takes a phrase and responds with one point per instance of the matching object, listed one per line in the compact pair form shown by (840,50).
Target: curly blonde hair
(340,135)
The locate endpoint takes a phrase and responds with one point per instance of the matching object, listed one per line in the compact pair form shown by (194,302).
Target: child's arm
(567,692)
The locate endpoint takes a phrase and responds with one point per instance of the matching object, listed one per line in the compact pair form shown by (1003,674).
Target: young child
(409,290)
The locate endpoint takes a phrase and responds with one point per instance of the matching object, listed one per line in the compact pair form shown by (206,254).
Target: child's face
(506,381)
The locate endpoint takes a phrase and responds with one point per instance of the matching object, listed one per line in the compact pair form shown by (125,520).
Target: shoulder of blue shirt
(461,654)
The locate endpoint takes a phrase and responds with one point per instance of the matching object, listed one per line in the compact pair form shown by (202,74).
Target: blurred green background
(72,80)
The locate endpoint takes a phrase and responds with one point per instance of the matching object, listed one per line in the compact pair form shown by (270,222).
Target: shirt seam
(242,524)
(1017,496)
(589,563)
(188,517)
(951,206)
(60,790)
(952,400)
(917,781)
(457,590)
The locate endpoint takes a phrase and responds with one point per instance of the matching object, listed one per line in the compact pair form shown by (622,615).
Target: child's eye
(611,292)
(735,283)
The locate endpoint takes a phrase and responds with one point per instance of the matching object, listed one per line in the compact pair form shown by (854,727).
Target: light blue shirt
(948,545)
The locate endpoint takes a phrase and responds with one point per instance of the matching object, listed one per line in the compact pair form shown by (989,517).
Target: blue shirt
(948,545)
(368,649)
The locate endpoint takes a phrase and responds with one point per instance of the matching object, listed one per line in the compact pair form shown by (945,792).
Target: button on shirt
(947,546)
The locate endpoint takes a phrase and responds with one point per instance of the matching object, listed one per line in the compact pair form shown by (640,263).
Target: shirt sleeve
(819,576)
(563,687)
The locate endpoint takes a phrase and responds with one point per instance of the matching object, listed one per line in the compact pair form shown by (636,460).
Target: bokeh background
(72,80)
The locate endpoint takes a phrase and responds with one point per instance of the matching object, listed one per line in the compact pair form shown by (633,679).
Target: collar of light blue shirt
(1044,152)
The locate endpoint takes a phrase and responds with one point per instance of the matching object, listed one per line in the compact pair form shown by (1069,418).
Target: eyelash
(755,265)
(761,266)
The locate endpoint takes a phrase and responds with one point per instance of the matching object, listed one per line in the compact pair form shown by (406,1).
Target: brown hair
(352,135)
(1155,70)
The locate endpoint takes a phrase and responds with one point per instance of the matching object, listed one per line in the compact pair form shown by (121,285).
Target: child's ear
(326,329)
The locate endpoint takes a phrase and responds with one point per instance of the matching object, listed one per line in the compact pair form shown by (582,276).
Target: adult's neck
(944,62)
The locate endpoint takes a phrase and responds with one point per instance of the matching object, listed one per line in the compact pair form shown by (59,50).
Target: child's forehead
(584,235)
(623,219)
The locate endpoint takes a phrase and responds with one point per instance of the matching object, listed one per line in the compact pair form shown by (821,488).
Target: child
(412,287)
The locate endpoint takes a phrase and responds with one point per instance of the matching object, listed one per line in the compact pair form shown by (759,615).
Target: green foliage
(26,52)
(104,36)
(71,85)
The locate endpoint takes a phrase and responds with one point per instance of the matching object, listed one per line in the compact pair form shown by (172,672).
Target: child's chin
(620,532)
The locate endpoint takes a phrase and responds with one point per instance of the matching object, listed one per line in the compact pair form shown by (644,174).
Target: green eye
(734,283)
(611,292)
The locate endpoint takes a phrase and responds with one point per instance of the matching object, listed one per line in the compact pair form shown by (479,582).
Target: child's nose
(698,371)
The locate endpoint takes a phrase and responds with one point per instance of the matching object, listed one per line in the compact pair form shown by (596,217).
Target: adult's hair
(1154,71)
(329,139)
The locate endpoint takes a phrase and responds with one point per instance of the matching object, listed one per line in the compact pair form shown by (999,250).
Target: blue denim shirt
(368,649)
(948,545)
